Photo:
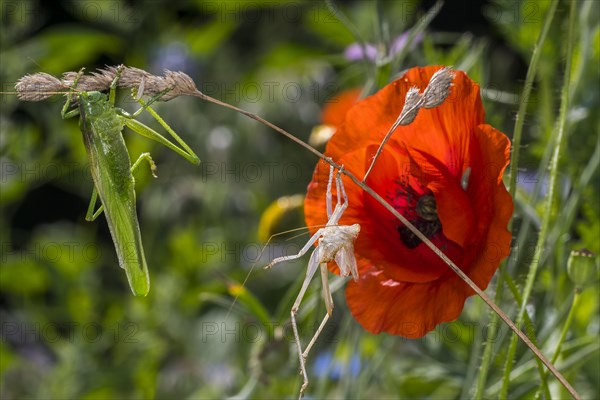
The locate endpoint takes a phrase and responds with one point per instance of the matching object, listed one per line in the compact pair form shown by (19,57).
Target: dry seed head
(411,107)
(434,94)
(439,88)
(173,83)
(132,78)
(85,83)
(180,84)
(38,87)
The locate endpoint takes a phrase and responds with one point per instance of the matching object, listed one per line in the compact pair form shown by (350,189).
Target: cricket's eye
(92,96)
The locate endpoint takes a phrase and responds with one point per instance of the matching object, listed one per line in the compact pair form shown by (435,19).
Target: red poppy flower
(337,107)
(333,116)
(443,172)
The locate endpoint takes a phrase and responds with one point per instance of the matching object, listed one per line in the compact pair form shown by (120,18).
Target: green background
(72,329)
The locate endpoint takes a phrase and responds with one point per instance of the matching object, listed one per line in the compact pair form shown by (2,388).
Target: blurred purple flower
(401,41)
(356,52)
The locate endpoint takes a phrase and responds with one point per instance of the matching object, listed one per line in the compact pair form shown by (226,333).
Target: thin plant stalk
(473,365)
(413,229)
(567,326)
(388,135)
(513,172)
(528,220)
(512,286)
(552,184)
(416,30)
(520,121)
(570,208)
(565,330)
(369,68)
(489,342)
(518,129)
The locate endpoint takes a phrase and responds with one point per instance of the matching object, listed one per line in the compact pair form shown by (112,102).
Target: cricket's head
(352,230)
(93,103)
(94,96)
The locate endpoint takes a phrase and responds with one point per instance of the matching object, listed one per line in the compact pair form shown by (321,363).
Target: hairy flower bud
(581,266)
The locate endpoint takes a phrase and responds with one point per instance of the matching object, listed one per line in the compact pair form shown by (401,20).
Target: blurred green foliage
(71,328)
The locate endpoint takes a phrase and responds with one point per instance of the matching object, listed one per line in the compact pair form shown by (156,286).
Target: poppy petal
(336,109)
(381,304)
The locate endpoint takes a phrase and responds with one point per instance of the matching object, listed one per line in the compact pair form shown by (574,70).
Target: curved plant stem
(383,32)
(527,219)
(563,334)
(415,31)
(561,123)
(401,118)
(531,72)
(512,286)
(565,330)
(514,165)
(489,342)
(370,68)
(570,209)
(412,228)
(492,329)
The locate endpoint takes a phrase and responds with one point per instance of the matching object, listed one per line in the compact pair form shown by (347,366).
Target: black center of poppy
(426,221)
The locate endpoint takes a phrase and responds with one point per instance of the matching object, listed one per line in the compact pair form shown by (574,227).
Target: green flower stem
(562,120)
(527,220)
(529,328)
(516,147)
(472,371)
(563,334)
(489,342)
(370,69)
(492,328)
(569,210)
(417,29)
(520,121)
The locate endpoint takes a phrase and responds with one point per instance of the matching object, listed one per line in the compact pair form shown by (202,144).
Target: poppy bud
(581,266)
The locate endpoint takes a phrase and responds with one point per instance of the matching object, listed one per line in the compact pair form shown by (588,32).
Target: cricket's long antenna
(49,93)
(260,256)
(45,93)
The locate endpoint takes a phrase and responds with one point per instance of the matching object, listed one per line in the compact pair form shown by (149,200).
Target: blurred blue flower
(325,363)
(174,56)
(527,179)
